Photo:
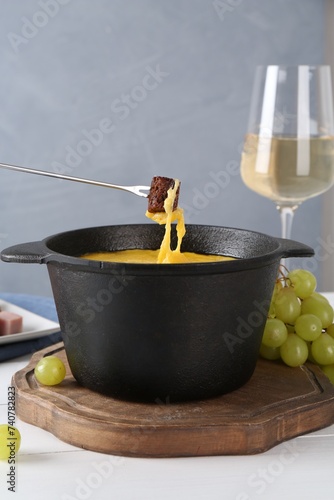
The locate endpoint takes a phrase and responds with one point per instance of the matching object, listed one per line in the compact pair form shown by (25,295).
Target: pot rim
(40,252)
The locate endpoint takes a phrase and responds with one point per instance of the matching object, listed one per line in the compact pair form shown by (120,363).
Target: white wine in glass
(288,153)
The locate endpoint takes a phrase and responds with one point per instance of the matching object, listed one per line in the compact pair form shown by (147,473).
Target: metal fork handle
(131,189)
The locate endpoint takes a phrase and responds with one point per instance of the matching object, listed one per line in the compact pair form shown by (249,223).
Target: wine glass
(288,153)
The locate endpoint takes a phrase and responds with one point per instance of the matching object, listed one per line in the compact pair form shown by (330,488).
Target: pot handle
(291,248)
(34,252)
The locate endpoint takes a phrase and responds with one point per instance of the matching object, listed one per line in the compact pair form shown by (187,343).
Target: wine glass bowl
(288,153)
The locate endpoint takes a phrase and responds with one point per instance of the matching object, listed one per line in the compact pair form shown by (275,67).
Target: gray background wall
(77,68)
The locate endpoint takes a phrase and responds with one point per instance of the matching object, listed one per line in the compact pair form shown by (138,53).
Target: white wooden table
(50,469)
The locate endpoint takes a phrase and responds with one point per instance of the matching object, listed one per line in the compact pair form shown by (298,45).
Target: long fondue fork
(131,189)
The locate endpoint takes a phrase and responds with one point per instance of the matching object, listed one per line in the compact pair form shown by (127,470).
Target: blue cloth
(44,306)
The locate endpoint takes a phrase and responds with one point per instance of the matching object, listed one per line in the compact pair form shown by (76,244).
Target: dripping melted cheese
(166,254)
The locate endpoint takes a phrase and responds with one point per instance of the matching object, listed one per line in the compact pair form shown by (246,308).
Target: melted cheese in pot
(139,256)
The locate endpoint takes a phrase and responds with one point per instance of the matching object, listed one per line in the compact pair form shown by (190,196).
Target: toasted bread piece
(158,194)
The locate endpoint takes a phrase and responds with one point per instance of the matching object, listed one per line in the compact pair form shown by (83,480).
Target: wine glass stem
(286,214)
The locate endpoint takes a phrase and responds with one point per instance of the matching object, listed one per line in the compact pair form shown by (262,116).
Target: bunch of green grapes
(300,324)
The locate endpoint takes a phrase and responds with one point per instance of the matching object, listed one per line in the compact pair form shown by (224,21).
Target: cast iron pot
(167,332)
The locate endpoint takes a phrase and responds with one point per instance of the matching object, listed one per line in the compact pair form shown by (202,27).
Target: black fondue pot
(161,332)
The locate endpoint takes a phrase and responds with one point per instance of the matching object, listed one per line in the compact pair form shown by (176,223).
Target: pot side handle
(291,248)
(34,252)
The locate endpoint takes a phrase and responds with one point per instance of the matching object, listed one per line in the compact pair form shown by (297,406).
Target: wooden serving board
(277,404)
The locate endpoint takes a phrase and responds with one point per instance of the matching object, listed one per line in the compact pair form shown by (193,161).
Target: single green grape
(10,441)
(275,333)
(294,351)
(323,310)
(303,282)
(287,305)
(50,370)
(329,371)
(308,327)
(271,353)
(322,349)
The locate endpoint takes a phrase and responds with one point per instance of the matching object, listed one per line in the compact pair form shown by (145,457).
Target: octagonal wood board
(277,404)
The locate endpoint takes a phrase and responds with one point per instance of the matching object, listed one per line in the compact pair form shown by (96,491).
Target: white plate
(34,326)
